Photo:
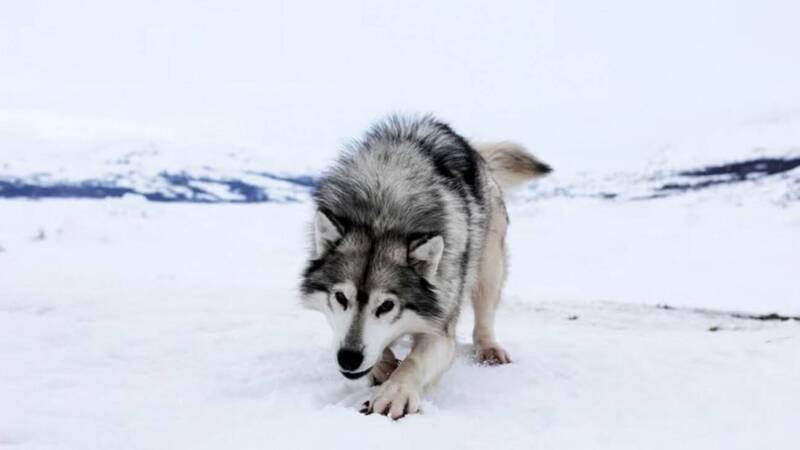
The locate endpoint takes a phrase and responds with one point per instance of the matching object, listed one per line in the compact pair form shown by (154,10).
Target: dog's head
(372,289)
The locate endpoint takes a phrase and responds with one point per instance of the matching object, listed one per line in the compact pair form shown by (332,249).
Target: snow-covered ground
(136,324)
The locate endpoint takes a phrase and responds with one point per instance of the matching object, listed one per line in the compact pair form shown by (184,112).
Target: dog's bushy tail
(511,165)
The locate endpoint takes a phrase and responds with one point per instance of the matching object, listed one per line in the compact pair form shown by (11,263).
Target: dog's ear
(424,255)
(326,232)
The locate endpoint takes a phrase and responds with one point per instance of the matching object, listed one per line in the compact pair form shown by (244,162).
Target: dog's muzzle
(355,375)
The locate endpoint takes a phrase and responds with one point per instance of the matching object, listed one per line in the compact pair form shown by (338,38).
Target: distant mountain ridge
(232,184)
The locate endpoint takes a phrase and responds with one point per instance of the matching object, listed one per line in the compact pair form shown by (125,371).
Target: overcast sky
(580,81)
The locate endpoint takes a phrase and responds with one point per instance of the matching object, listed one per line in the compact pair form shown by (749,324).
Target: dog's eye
(340,297)
(384,308)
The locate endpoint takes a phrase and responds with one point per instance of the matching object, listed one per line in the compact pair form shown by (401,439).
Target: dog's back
(403,177)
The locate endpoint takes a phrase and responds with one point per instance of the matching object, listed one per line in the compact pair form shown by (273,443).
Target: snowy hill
(235,176)
(695,230)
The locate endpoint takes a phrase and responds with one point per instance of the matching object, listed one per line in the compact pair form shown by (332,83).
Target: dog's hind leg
(487,289)
(384,368)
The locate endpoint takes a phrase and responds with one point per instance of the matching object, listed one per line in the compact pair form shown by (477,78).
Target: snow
(133,324)
(684,251)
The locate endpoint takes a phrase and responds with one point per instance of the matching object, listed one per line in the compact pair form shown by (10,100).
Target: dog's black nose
(349,359)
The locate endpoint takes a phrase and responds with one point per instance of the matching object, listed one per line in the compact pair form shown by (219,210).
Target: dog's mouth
(355,375)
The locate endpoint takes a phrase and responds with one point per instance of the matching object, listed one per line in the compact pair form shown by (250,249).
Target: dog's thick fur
(411,223)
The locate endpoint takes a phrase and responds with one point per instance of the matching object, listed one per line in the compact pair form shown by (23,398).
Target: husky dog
(410,224)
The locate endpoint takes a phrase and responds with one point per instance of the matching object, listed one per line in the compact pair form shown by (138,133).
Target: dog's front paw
(394,399)
(491,354)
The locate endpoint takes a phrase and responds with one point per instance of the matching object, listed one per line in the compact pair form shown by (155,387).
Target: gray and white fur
(410,224)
